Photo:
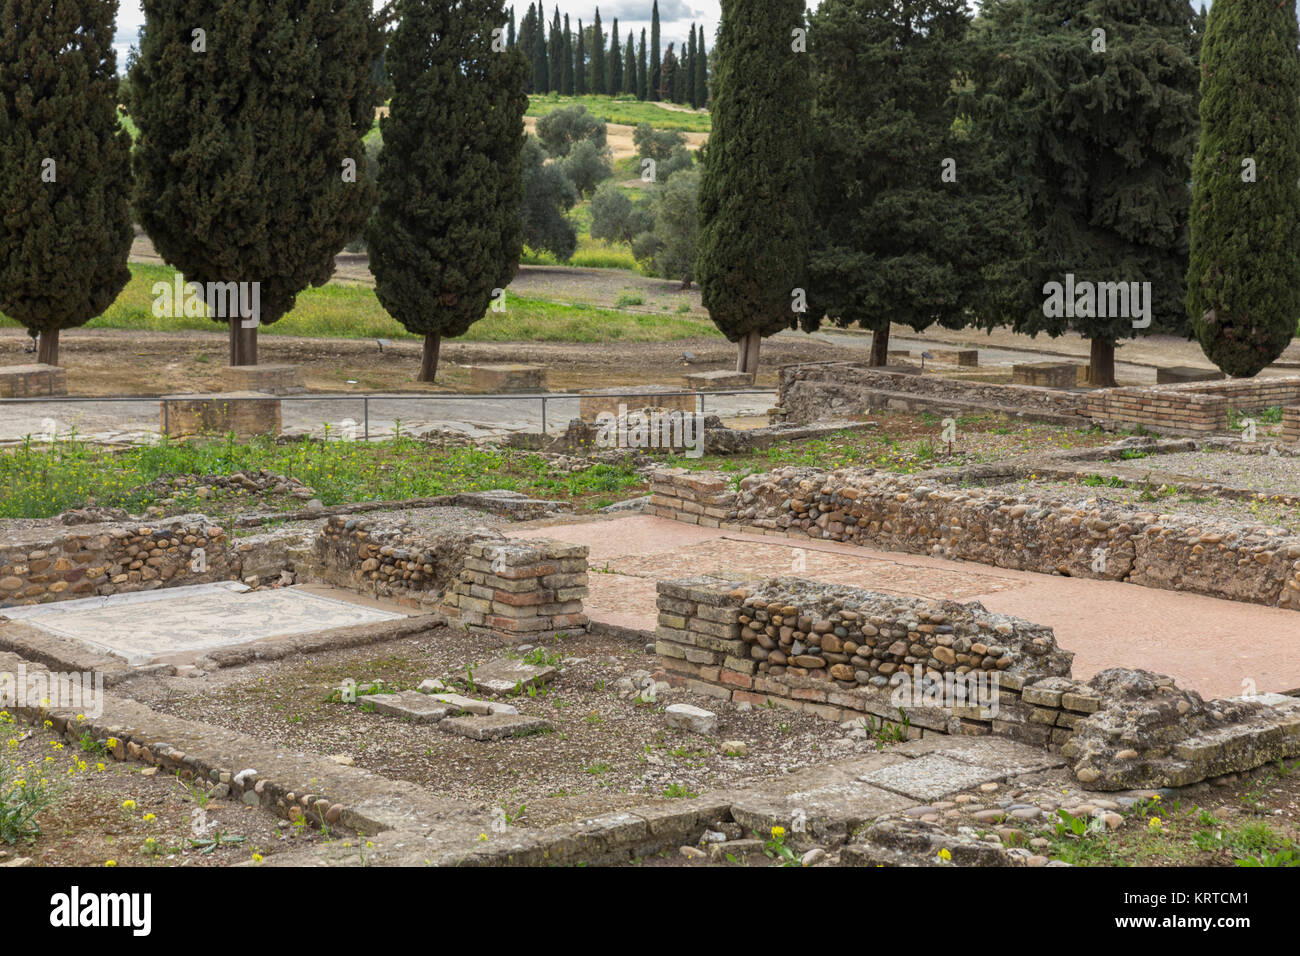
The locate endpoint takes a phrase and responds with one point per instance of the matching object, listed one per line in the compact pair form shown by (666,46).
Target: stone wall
(32,381)
(842,652)
(1046,535)
(391,561)
(1291,425)
(95,560)
(940,667)
(809,393)
(839,389)
(520,589)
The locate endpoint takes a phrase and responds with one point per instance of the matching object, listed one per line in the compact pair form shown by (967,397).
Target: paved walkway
(1219,648)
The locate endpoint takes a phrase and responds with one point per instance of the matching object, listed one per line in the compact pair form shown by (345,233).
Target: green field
(624,111)
(342,310)
(40,481)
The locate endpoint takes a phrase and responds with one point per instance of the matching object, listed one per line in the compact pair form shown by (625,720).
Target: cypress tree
(642,74)
(897,239)
(447,231)
(598,76)
(668,73)
(690,69)
(629,65)
(541,68)
(1105,128)
(755,215)
(701,71)
(1243,282)
(567,88)
(555,53)
(510,31)
(65,229)
(580,66)
(261,176)
(615,84)
(655,66)
(528,43)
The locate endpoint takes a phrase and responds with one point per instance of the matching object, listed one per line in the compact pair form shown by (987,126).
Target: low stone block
(718,379)
(597,401)
(247,414)
(695,719)
(270,379)
(411,704)
(1186,373)
(32,381)
(505,676)
(1046,374)
(494,726)
(507,378)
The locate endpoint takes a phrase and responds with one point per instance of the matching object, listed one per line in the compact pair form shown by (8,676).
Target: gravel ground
(605,752)
(108,811)
(1267,514)
(1265,473)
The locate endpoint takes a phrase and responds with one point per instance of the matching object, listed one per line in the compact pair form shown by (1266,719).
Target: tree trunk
(880,348)
(747,353)
(47,350)
(429,358)
(1101,364)
(243,342)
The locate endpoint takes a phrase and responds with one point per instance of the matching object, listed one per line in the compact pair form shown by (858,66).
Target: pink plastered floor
(1218,648)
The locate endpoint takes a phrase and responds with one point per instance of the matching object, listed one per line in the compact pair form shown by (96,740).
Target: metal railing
(543,398)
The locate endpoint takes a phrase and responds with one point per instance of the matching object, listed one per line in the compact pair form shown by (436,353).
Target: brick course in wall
(1291,425)
(1050,536)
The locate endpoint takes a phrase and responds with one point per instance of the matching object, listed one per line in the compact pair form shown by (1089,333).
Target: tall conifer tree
(755,202)
(261,176)
(1243,283)
(448,187)
(65,219)
(1099,99)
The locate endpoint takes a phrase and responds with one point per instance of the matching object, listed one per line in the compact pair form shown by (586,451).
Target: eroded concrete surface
(146,626)
(1218,648)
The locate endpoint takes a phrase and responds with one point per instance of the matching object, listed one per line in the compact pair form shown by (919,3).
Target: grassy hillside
(627,112)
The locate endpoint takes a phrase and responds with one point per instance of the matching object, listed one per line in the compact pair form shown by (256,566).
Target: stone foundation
(32,381)
(246,414)
(521,590)
(95,560)
(507,378)
(267,379)
(1048,536)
